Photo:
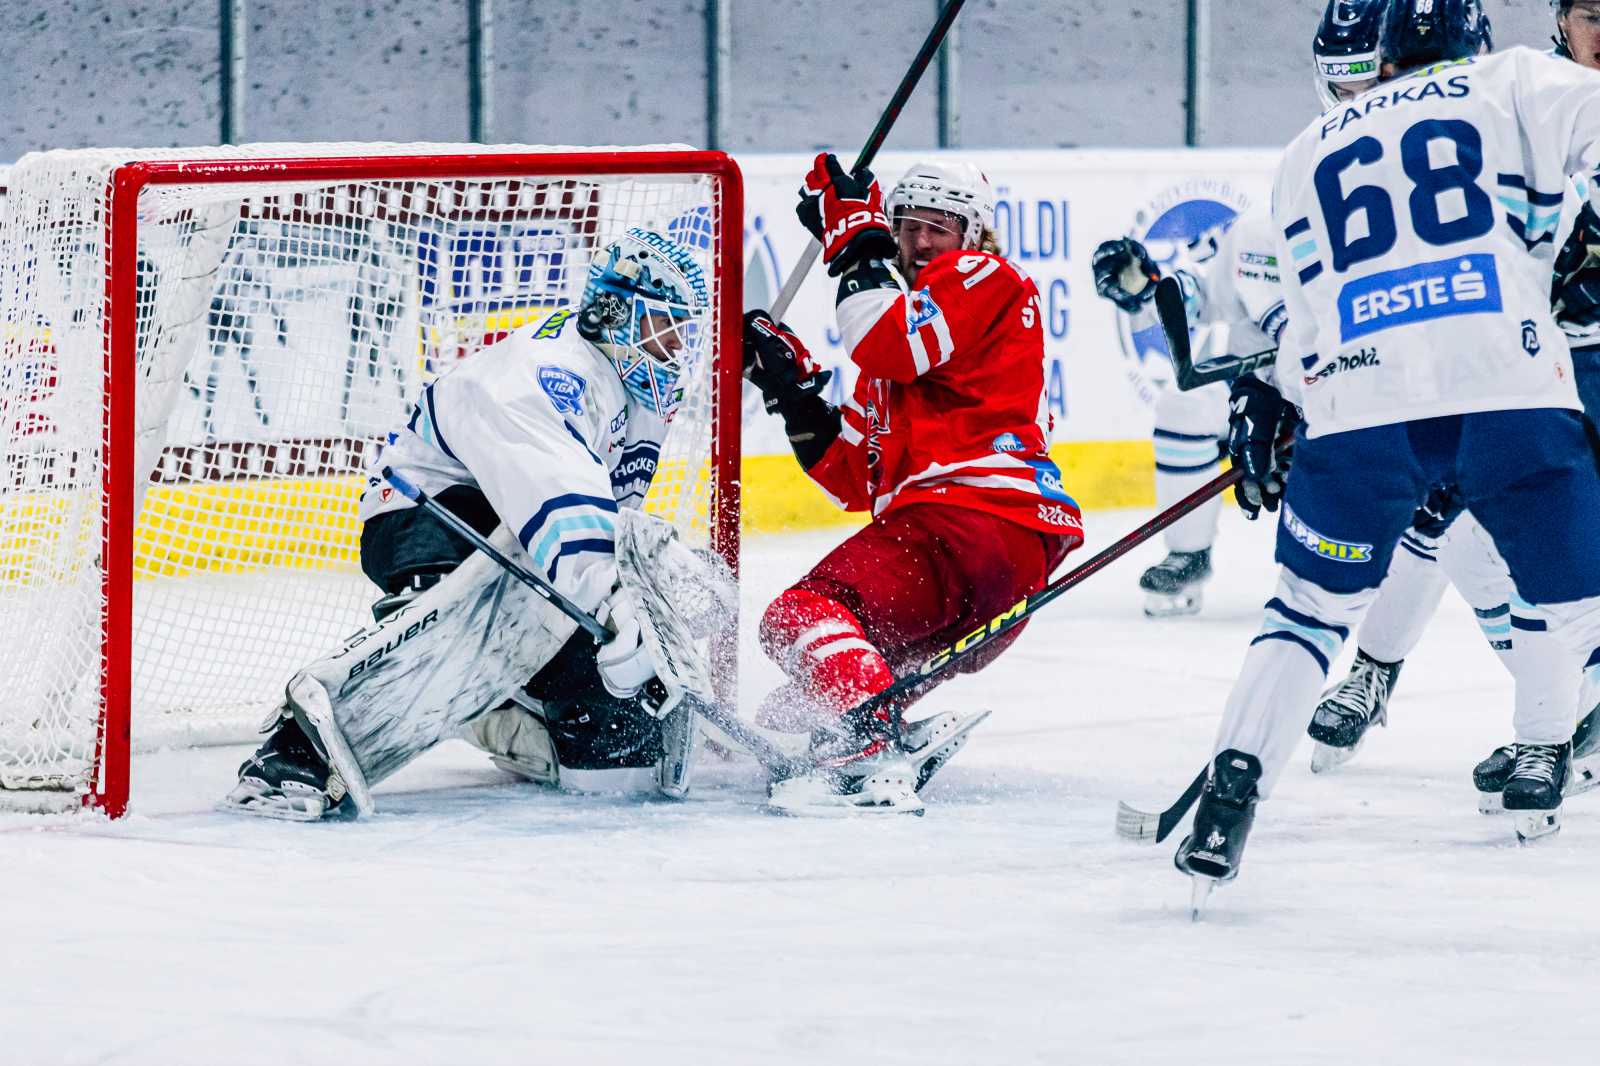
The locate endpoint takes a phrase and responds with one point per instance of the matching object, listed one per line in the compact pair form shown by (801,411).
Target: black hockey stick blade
(1189,374)
(1143,827)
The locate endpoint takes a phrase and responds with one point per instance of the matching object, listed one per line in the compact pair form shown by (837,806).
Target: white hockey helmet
(955,188)
(646,308)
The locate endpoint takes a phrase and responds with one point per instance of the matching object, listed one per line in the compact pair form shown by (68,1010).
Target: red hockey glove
(845,213)
(777,362)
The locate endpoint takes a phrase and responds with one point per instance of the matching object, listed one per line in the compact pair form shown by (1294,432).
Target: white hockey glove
(624,662)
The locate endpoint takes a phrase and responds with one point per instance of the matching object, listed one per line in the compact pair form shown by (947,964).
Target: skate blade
(1200,890)
(1585,774)
(259,800)
(807,799)
(1536,826)
(947,740)
(1171,605)
(1491,803)
(1326,757)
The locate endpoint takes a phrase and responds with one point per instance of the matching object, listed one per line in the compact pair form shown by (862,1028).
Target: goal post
(202,350)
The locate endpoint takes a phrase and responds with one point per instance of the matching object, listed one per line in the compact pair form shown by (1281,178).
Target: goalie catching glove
(844,212)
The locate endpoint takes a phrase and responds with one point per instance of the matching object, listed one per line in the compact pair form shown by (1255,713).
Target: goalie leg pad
(517,740)
(399,687)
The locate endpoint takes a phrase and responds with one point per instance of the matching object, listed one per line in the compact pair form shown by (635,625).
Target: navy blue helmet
(1346,48)
(1417,33)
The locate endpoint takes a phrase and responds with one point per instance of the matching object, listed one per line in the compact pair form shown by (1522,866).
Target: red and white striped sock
(820,644)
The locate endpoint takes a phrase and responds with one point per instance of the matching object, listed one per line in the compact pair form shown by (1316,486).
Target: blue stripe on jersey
(432,416)
(1594,660)
(552,544)
(578,547)
(1528,625)
(1167,434)
(579,438)
(1310,273)
(1418,552)
(1292,615)
(1297,227)
(1542,199)
(558,503)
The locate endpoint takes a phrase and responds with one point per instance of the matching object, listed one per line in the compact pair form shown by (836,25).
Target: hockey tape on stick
(776,762)
(1186,373)
(869,151)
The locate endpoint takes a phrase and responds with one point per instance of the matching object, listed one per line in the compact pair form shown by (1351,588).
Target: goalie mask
(1346,49)
(958,189)
(645,307)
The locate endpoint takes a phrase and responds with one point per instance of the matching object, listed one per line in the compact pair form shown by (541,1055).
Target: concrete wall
(801,74)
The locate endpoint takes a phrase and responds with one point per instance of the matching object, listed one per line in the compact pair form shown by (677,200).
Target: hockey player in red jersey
(945,442)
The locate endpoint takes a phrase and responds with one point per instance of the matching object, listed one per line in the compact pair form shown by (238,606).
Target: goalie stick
(766,752)
(869,151)
(1188,374)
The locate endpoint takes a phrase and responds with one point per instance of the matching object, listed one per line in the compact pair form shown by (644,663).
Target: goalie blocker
(464,649)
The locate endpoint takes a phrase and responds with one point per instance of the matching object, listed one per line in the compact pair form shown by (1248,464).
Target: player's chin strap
(660,697)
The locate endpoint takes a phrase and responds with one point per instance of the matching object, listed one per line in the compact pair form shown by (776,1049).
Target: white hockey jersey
(540,423)
(1416,230)
(1233,282)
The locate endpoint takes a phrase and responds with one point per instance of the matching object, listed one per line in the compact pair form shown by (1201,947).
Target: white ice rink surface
(474,920)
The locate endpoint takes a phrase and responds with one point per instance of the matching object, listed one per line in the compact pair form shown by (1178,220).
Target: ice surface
(474,920)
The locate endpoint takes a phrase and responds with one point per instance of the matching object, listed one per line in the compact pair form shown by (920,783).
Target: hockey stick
(766,752)
(1025,608)
(1187,374)
(1144,827)
(869,151)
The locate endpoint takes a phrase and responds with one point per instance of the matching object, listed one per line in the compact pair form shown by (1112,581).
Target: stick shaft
(869,151)
(943,661)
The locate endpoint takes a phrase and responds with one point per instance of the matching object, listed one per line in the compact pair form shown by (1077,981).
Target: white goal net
(196,362)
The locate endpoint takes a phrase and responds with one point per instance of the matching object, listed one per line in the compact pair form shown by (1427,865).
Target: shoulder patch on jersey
(1009,442)
(553,325)
(564,388)
(921,309)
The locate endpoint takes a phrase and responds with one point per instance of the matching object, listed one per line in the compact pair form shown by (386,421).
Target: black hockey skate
(1173,586)
(289,778)
(1491,775)
(1212,851)
(1534,792)
(1349,709)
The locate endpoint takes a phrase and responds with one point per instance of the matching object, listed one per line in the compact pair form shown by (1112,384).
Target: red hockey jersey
(950,403)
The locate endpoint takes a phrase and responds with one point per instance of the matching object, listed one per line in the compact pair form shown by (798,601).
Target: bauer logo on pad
(564,388)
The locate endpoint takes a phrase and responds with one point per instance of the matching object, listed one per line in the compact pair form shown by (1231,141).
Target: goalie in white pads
(546,440)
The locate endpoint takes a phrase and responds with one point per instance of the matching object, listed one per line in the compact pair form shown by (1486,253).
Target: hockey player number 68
(1430,184)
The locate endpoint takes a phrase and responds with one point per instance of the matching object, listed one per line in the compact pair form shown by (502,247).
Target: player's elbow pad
(812,425)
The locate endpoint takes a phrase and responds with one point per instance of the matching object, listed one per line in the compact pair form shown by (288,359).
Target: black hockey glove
(1124,273)
(777,363)
(1257,417)
(1575,294)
